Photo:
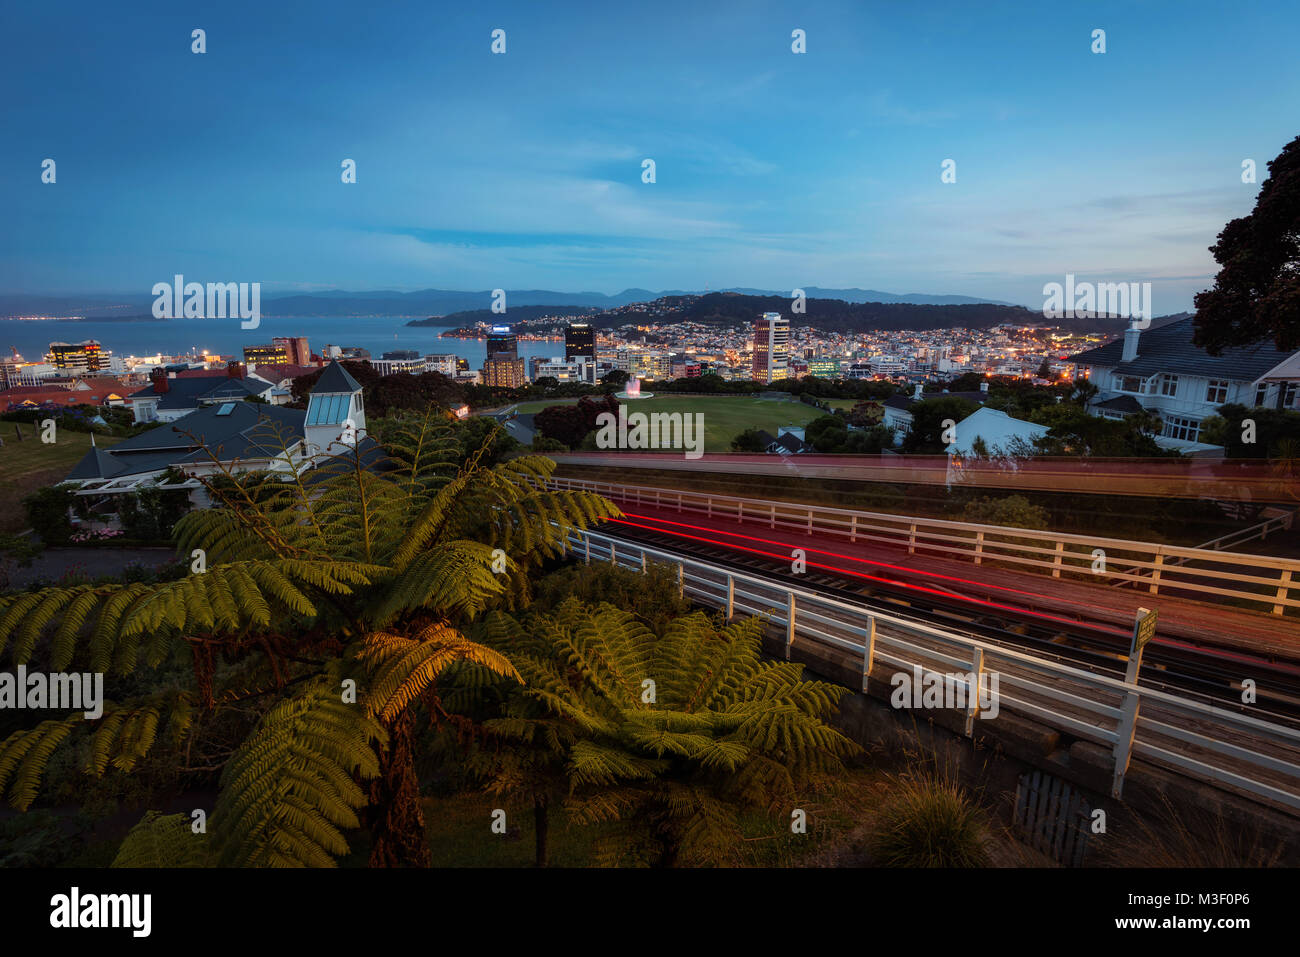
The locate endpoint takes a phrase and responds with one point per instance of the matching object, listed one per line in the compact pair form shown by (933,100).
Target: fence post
(613,553)
(1056,561)
(911,540)
(681,579)
(868,650)
(853,528)
(1144,629)
(710,500)
(771,522)
(586,538)
(1284,585)
(789,624)
(979,547)
(1155,573)
(643,562)
(731,596)
(810,521)
(740,511)
(973,692)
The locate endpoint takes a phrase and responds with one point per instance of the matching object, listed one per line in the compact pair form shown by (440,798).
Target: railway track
(1211,675)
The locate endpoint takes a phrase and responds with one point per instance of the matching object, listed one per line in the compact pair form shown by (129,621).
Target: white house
(996,430)
(1161,371)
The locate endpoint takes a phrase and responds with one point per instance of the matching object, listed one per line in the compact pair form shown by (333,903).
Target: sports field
(725,417)
(30,464)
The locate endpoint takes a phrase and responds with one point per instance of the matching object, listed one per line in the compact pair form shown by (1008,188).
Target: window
(1128,383)
(1168,384)
(1261,394)
(1217,391)
(1187,430)
(1291,389)
(226,408)
(328,409)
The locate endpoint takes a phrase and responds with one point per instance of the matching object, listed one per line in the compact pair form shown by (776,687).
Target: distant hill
(430,302)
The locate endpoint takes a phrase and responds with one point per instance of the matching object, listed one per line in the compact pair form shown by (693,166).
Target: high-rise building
(272,355)
(504,372)
(771,348)
(296,348)
(580,340)
(80,357)
(502,343)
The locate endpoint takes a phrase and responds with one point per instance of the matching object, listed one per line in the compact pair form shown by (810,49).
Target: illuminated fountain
(633,390)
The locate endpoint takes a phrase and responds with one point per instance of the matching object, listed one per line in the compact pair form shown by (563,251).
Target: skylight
(226,408)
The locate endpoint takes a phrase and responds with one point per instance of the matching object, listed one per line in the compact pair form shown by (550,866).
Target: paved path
(54,563)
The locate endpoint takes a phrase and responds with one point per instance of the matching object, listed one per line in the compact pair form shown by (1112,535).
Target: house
(1159,370)
(897,414)
(281,376)
(237,436)
(995,432)
(171,395)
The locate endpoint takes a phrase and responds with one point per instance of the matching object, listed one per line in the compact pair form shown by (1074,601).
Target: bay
(32,338)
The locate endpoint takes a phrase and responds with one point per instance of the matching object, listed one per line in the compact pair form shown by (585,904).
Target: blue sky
(523,170)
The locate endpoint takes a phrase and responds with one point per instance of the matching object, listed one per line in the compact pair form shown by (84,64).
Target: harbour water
(32,338)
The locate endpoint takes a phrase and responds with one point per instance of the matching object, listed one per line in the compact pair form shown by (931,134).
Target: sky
(773,169)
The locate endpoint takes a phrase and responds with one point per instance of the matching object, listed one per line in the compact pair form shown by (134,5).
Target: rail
(1255,581)
(1211,744)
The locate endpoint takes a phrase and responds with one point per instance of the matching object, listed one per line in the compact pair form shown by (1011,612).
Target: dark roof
(96,463)
(1122,403)
(1169,349)
(791,442)
(246,431)
(899,401)
(335,379)
(189,392)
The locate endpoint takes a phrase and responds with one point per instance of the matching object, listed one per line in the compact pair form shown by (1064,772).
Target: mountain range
(434,302)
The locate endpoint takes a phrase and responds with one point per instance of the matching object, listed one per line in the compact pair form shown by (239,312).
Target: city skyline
(482,170)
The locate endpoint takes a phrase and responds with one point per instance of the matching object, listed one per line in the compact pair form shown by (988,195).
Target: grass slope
(725,417)
(31,464)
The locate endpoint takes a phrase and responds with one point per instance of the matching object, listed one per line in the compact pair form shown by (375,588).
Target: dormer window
(328,409)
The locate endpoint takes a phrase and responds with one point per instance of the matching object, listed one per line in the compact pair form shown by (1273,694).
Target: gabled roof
(1169,349)
(96,463)
(1121,403)
(189,392)
(335,380)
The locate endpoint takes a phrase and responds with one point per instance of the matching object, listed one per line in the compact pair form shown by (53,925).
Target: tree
(616,378)
(1250,433)
(672,736)
(327,607)
(928,418)
(751,440)
(1074,432)
(1256,295)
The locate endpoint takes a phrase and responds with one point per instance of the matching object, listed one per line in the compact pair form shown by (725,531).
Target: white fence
(1255,581)
(1208,743)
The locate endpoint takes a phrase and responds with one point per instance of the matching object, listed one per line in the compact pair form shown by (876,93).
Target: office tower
(580,340)
(272,355)
(295,348)
(502,344)
(771,348)
(80,357)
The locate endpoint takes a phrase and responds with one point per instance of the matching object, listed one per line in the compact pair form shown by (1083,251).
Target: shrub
(929,822)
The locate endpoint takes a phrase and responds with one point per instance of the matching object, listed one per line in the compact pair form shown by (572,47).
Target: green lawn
(31,464)
(725,417)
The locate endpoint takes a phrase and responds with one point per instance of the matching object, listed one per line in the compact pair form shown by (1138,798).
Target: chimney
(1131,335)
(916,394)
(235,370)
(159,379)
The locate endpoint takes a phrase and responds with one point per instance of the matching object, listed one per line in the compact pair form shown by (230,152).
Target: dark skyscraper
(502,344)
(580,340)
